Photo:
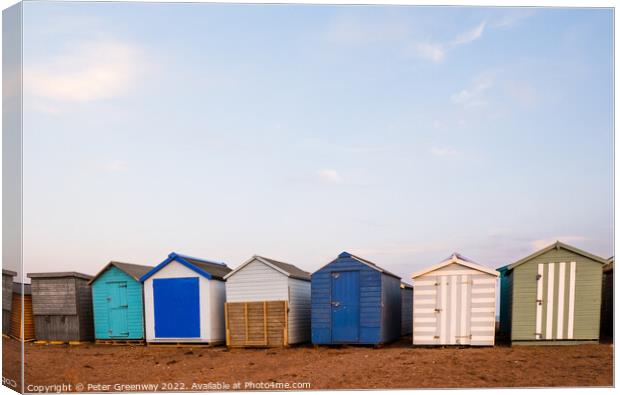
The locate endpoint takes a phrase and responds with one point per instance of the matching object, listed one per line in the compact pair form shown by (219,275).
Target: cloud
(433,52)
(90,71)
(474,96)
(329,176)
(469,36)
(542,243)
(437,51)
(443,151)
(510,17)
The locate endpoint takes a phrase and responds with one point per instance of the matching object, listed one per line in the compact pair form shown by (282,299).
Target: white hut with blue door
(118,306)
(184,300)
(355,301)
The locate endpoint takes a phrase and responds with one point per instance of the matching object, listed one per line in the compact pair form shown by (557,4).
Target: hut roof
(285,268)
(459,259)
(209,269)
(60,275)
(9,273)
(132,270)
(557,245)
(366,262)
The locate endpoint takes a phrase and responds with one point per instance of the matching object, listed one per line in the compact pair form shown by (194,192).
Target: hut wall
(299,311)
(391,308)
(7,299)
(587,298)
(607,304)
(406,315)
(16,317)
(256,282)
(134,320)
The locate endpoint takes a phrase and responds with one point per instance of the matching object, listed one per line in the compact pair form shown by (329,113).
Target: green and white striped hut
(552,297)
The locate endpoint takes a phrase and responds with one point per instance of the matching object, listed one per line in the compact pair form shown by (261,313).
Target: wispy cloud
(510,17)
(436,51)
(329,176)
(470,35)
(542,243)
(474,96)
(443,151)
(90,71)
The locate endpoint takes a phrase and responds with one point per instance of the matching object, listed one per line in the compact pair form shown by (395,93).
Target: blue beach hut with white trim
(118,306)
(355,301)
(184,300)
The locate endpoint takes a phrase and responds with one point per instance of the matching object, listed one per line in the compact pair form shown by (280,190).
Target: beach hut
(22,294)
(454,303)
(607,300)
(7,299)
(62,306)
(355,301)
(267,304)
(406,300)
(552,296)
(118,306)
(184,300)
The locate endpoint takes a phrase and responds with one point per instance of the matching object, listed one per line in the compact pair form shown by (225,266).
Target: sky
(396,133)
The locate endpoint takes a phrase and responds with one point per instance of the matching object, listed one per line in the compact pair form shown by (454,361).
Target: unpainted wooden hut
(454,303)
(62,306)
(406,293)
(552,296)
(267,304)
(607,300)
(118,305)
(354,301)
(7,299)
(22,295)
(184,301)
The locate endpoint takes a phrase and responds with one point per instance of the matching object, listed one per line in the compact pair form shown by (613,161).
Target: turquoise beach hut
(118,303)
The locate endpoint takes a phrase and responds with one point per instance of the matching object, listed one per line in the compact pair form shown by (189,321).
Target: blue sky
(397,133)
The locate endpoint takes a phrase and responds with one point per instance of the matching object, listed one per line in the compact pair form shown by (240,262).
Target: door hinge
(539,301)
(437,310)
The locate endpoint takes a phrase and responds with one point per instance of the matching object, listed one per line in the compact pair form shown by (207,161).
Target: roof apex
(557,246)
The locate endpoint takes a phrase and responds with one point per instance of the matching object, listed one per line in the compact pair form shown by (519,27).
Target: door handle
(335,304)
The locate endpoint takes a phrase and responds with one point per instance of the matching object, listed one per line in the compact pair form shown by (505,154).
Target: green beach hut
(118,304)
(552,296)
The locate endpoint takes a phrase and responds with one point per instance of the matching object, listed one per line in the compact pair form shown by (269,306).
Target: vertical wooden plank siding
(101,308)
(556,296)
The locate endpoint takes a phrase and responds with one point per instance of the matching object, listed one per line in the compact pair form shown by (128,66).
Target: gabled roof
(9,273)
(60,275)
(345,254)
(458,259)
(209,269)
(285,268)
(557,245)
(132,270)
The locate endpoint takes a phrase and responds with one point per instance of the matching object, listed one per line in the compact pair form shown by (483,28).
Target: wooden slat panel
(251,324)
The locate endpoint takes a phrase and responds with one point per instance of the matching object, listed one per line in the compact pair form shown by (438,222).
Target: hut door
(555,301)
(177,307)
(117,309)
(345,306)
(453,310)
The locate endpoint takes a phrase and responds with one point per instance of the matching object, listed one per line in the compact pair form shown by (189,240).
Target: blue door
(117,309)
(177,307)
(345,306)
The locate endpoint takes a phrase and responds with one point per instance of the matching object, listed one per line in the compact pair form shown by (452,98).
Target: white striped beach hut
(454,303)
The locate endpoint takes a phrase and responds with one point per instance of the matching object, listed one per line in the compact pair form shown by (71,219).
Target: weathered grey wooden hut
(7,299)
(406,295)
(62,306)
